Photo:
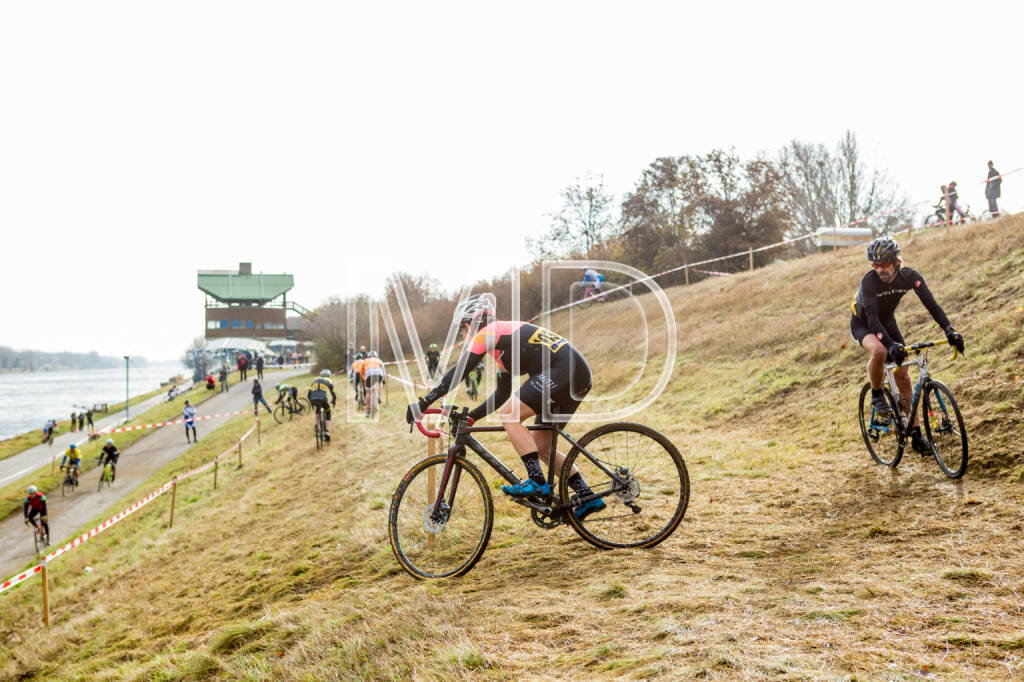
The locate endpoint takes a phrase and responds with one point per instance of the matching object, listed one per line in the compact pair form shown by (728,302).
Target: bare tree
(827,187)
(197,359)
(583,222)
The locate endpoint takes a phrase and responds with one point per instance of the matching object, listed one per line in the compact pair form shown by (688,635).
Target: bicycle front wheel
(944,428)
(282,414)
(646,504)
(881,434)
(67,487)
(304,405)
(317,432)
(40,540)
(448,543)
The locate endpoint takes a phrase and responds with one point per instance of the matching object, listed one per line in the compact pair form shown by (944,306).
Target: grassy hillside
(799,558)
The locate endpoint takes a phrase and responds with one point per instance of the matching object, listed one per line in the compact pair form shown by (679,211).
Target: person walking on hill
(189,415)
(88,419)
(81,421)
(873,326)
(242,364)
(259,367)
(954,203)
(223,378)
(992,189)
(74,420)
(257,398)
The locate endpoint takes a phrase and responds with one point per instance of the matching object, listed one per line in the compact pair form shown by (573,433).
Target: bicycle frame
(464,439)
(923,378)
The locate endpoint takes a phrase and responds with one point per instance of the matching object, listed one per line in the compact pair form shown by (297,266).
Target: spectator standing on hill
(223,378)
(257,398)
(88,418)
(81,421)
(259,367)
(241,368)
(954,205)
(189,415)
(993,186)
(74,420)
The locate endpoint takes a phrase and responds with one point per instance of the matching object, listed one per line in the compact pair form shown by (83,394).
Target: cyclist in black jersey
(433,358)
(566,380)
(873,325)
(111,454)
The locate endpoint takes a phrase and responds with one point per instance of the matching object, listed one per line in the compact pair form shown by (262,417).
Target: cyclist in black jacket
(873,325)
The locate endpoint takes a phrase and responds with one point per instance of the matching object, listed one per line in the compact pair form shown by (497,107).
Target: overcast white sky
(339,142)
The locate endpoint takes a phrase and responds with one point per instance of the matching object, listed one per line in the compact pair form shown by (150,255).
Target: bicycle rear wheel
(447,544)
(944,428)
(282,414)
(650,504)
(883,436)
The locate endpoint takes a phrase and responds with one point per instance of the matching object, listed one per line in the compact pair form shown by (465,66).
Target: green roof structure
(237,288)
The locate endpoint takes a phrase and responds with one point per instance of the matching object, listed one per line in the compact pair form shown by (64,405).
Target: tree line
(36,361)
(682,209)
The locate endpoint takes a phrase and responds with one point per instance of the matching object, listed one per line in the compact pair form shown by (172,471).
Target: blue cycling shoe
(526,488)
(587,508)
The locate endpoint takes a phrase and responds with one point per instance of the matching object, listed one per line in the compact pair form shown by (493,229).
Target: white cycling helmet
(31,490)
(110,441)
(325,372)
(478,308)
(373,353)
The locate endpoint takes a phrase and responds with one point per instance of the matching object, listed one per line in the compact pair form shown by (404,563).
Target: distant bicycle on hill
(442,513)
(887,436)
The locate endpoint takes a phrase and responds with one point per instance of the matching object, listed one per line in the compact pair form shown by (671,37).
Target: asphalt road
(137,463)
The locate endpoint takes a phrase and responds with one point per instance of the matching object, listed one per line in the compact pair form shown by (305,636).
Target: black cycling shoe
(881,407)
(919,444)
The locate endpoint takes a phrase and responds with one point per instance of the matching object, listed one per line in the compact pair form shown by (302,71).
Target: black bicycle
(70,482)
(320,427)
(40,535)
(886,437)
(290,408)
(442,513)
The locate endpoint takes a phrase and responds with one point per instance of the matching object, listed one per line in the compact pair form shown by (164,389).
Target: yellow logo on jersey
(543,337)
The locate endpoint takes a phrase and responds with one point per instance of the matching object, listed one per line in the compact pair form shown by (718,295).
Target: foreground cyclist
(568,380)
(110,454)
(35,505)
(873,326)
(317,394)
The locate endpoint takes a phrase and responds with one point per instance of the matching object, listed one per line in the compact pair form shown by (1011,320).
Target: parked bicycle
(70,482)
(442,513)
(887,437)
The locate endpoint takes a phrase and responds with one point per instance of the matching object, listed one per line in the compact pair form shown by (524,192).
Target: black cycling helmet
(883,249)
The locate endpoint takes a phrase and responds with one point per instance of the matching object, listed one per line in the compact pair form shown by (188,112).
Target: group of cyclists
(34,507)
(558,377)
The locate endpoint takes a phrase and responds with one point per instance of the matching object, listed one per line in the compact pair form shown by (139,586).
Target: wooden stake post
(750,253)
(686,269)
(258,436)
(174,494)
(239,454)
(46,595)
(215,463)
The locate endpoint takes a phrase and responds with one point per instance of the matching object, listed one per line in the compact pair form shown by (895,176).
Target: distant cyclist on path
(873,325)
(189,415)
(35,505)
(317,395)
(110,454)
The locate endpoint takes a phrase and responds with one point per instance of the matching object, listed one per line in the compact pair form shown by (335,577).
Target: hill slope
(798,558)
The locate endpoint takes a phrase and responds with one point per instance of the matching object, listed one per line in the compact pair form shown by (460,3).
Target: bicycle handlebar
(434,410)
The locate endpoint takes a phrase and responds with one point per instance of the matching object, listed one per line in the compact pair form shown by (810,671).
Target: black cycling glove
(410,416)
(897,353)
(955,339)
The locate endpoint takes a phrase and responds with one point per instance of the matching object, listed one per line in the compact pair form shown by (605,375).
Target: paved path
(137,463)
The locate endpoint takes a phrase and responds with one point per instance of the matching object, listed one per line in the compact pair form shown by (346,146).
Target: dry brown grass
(798,559)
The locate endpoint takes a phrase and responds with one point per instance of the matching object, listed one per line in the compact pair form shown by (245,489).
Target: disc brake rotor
(431,525)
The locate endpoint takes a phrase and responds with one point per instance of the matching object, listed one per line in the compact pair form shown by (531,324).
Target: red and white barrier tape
(714,272)
(140,427)
(410,383)
(93,532)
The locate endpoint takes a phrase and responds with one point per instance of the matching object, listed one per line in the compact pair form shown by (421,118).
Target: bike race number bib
(543,337)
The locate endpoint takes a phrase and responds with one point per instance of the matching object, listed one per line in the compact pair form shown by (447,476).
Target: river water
(28,399)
